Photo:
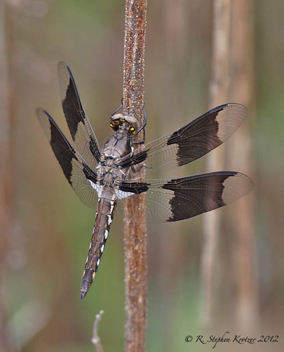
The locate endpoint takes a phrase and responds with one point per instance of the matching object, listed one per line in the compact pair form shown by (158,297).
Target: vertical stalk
(242,63)
(8,103)
(134,233)
(215,161)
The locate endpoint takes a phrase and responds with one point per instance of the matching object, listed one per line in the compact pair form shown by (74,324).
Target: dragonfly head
(126,122)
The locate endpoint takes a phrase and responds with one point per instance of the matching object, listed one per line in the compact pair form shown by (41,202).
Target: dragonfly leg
(137,168)
(116,110)
(142,127)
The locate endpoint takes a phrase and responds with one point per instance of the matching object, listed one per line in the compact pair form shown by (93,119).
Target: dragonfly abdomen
(104,218)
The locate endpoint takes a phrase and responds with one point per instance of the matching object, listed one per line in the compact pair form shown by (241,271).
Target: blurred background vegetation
(44,248)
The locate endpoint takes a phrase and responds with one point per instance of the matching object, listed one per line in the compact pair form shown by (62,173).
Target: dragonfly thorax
(116,147)
(108,179)
(109,175)
(108,161)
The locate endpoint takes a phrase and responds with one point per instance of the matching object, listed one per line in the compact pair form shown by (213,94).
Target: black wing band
(74,167)
(183,198)
(77,120)
(190,142)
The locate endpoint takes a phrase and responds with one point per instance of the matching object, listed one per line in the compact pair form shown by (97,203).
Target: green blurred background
(44,257)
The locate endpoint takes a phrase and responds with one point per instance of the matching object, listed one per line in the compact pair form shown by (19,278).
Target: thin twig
(219,89)
(96,339)
(134,233)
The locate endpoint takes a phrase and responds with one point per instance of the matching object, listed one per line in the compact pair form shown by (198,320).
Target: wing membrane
(182,198)
(77,120)
(190,142)
(74,167)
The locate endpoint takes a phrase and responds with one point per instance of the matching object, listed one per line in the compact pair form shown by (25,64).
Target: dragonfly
(101,177)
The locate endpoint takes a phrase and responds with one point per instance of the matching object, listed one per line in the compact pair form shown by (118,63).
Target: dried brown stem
(242,63)
(218,94)
(135,234)
(96,338)
(8,103)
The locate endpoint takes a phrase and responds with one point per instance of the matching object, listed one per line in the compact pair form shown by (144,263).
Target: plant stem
(219,90)
(8,120)
(134,233)
(242,44)
(96,338)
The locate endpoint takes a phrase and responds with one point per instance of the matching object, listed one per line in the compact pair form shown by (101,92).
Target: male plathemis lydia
(101,177)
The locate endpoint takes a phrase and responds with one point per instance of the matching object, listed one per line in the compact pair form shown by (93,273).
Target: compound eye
(116,121)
